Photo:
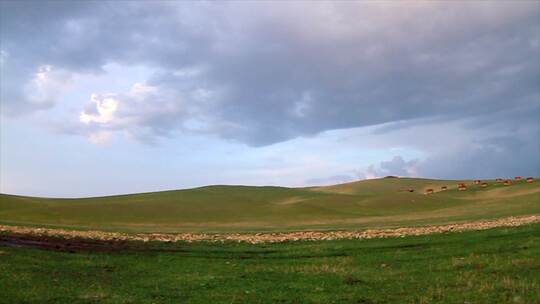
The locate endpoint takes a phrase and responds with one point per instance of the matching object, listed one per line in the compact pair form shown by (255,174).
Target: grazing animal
(462,187)
(443,188)
(507,182)
(484,185)
(530,179)
(429,191)
(517,178)
(410,190)
(477,182)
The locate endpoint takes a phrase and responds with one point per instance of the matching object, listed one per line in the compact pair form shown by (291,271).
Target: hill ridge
(367,203)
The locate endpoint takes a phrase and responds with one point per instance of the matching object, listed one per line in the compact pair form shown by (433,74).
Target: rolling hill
(362,204)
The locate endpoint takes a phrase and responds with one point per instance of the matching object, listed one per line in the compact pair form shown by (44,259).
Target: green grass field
(357,205)
(493,266)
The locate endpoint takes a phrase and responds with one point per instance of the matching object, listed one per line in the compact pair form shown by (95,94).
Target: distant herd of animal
(463,187)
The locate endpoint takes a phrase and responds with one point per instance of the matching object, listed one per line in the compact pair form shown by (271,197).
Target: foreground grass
(493,266)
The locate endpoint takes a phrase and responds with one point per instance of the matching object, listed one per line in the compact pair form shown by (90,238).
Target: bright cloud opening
(105,107)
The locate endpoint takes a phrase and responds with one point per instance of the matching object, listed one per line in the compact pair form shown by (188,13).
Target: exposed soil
(58,243)
(62,239)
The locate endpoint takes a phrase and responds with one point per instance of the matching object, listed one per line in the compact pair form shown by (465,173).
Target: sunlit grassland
(358,205)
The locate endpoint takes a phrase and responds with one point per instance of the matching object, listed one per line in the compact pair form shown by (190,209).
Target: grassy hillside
(370,203)
(493,266)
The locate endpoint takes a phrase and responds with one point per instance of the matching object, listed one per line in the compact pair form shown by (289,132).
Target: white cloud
(3,57)
(142,113)
(47,85)
(141,90)
(106,106)
(100,138)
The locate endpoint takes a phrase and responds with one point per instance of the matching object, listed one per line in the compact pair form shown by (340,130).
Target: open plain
(373,241)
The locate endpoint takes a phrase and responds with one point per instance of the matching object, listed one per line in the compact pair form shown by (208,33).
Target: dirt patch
(60,243)
(86,238)
(350,280)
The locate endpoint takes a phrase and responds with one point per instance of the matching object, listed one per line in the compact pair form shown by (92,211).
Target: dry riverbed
(266,237)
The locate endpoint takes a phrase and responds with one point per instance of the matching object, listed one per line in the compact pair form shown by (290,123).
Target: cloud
(505,156)
(273,76)
(39,92)
(3,57)
(336,179)
(454,153)
(397,166)
(455,80)
(100,137)
(142,113)
(46,84)
(103,113)
(502,146)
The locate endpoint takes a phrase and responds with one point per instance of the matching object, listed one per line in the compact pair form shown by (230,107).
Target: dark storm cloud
(498,156)
(497,149)
(484,155)
(273,76)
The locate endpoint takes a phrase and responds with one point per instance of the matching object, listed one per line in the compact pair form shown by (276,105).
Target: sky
(100,98)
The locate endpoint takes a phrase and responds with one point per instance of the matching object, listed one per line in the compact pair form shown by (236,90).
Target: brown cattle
(477,182)
(530,179)
(517,178)
(443,188)
(462,187)
(507,182)
(428,191)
